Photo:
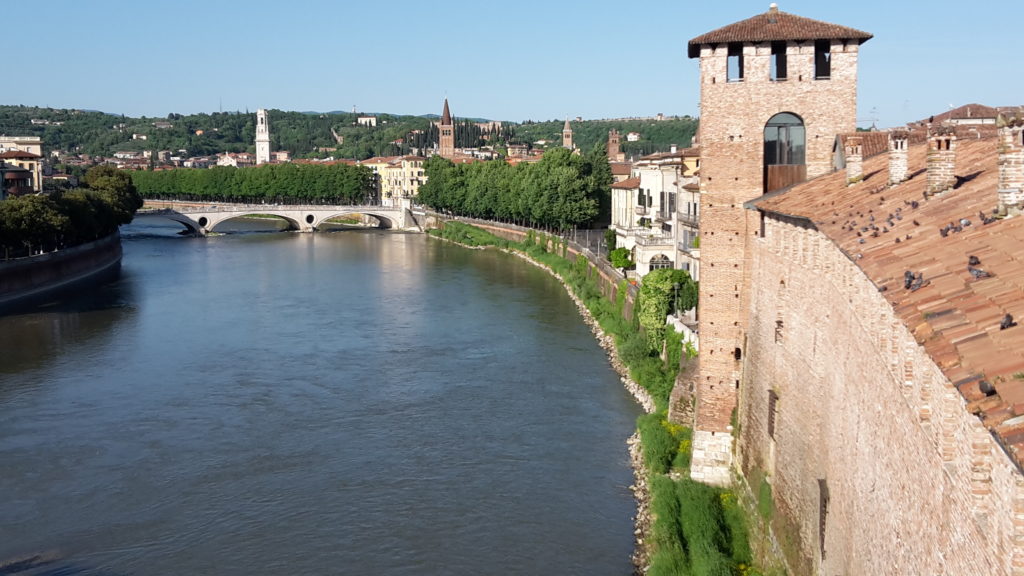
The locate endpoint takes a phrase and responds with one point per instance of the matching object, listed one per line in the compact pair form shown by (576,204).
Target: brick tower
(775,91)
(615,147)
(446,134)
(567,135)
(262,137)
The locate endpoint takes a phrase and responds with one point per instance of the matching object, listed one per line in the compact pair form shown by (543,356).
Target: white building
(655,212)
(262,137)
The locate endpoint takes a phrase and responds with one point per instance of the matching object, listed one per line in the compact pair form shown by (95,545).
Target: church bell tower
(262,137)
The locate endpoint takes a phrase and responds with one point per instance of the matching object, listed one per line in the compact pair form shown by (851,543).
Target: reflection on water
(36,334)
(356,402)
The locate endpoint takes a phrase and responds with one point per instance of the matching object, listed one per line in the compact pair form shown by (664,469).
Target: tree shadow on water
(47,565)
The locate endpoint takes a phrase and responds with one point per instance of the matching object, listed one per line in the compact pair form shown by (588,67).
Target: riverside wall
(34,279)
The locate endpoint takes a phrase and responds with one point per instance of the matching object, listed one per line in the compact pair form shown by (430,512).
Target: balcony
(654,238)
(662,216)
(641,210)
(689,249)
(691,220)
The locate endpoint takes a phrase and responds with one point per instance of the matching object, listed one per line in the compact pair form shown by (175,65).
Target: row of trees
(270,183)
(30,224)
(561,192)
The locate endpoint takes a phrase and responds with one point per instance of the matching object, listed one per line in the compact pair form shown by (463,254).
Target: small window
(822,59)
(778,331)
(773,404)
(778,67)
(735,70)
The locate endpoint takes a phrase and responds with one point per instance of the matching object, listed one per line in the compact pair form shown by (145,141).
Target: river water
(353,402)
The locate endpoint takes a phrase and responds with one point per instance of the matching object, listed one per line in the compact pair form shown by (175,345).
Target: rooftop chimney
(673,149)
(898,156)
(854,160)
(1011,168)
(941,161)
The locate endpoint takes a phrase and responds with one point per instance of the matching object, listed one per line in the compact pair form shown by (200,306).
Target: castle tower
(615,146)
(776,89)
(262,137)
(446,134)
(567,136)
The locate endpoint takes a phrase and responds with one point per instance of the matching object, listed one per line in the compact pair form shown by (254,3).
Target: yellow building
(23,153)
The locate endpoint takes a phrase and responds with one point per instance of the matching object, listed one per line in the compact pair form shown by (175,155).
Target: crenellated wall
(865,423)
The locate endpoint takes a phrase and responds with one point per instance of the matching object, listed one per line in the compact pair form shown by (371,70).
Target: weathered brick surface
(1011,169)
(733,119)
(917,485)
(897,158)
(854,160)
(941,164)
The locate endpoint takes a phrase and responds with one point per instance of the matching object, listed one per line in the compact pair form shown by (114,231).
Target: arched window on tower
(784,151)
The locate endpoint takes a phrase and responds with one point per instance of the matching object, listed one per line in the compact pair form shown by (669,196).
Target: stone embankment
(35,279)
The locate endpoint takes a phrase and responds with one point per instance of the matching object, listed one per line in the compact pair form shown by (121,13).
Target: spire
(566,127)
(446,116)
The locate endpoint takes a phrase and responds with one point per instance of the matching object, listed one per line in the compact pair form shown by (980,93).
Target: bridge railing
(258,208)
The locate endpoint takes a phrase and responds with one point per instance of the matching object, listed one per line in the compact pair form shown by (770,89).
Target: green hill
(306,134)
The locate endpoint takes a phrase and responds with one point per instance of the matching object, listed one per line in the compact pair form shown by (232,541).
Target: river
(352,402)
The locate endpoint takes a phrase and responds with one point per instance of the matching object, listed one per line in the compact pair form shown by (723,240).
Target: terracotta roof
(871,143)
(679,153)
(446,116)
(776,25)
(627,184)
(967,112)
(621,168)
(955,317)
(18,154)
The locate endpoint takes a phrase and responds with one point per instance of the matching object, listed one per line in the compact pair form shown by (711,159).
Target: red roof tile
(776,25)
(627,184)
(955,317)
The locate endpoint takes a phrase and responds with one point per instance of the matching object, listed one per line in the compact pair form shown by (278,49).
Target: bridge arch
(216,220)
(386,222)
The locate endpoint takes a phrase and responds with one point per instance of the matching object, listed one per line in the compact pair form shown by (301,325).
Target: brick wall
(733,119)
(854,160)
(897,157)
(1011,169)
(916,484)
(941,163)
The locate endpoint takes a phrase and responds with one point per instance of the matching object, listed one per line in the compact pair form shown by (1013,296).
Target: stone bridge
(202,219)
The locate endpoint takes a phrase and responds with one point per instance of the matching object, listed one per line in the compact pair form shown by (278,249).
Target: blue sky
(531,59)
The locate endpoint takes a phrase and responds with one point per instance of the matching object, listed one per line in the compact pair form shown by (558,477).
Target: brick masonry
(916,483)
(1011,169)
(897,157)
(941,163)
(854,160)
(733,119)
